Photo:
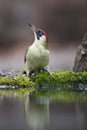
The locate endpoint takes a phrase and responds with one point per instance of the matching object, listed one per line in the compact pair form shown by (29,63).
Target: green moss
(43,78)
(20,80)
(67,77)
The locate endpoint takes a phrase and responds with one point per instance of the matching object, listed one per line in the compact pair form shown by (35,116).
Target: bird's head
(40,35)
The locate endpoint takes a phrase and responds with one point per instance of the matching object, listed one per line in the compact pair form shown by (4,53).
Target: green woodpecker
(37,55)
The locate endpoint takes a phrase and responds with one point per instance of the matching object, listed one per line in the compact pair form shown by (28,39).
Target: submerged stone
(4,86)
(8,87)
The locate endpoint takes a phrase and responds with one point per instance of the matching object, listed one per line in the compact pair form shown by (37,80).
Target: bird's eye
(40,34)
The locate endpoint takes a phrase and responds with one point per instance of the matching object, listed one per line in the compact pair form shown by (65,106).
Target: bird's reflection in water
(37,112)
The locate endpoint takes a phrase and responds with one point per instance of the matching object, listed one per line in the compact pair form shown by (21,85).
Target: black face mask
(39,34)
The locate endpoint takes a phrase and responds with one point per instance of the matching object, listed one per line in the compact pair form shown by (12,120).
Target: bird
(37,54)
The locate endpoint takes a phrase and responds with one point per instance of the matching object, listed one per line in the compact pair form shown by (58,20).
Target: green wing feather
(25,55)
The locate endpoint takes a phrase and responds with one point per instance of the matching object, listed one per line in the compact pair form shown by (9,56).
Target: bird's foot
(46,69)
(27,73)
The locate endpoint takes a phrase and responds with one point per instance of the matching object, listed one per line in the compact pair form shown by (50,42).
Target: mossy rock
(20,80)
(62,78)
(55,79)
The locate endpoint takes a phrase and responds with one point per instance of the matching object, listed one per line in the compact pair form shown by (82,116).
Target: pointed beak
(34,29)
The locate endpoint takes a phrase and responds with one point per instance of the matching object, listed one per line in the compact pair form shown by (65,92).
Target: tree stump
(80,63)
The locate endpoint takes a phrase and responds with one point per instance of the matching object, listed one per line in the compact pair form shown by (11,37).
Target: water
(43,110)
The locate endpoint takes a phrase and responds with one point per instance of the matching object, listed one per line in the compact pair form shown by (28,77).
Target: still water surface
(48,111)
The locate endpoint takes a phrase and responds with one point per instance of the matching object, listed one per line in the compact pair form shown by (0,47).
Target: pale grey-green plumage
(37,56)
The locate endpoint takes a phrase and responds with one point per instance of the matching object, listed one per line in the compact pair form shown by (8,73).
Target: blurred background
(65,22)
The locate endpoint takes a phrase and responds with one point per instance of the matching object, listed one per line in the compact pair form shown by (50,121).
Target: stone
(1,73)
